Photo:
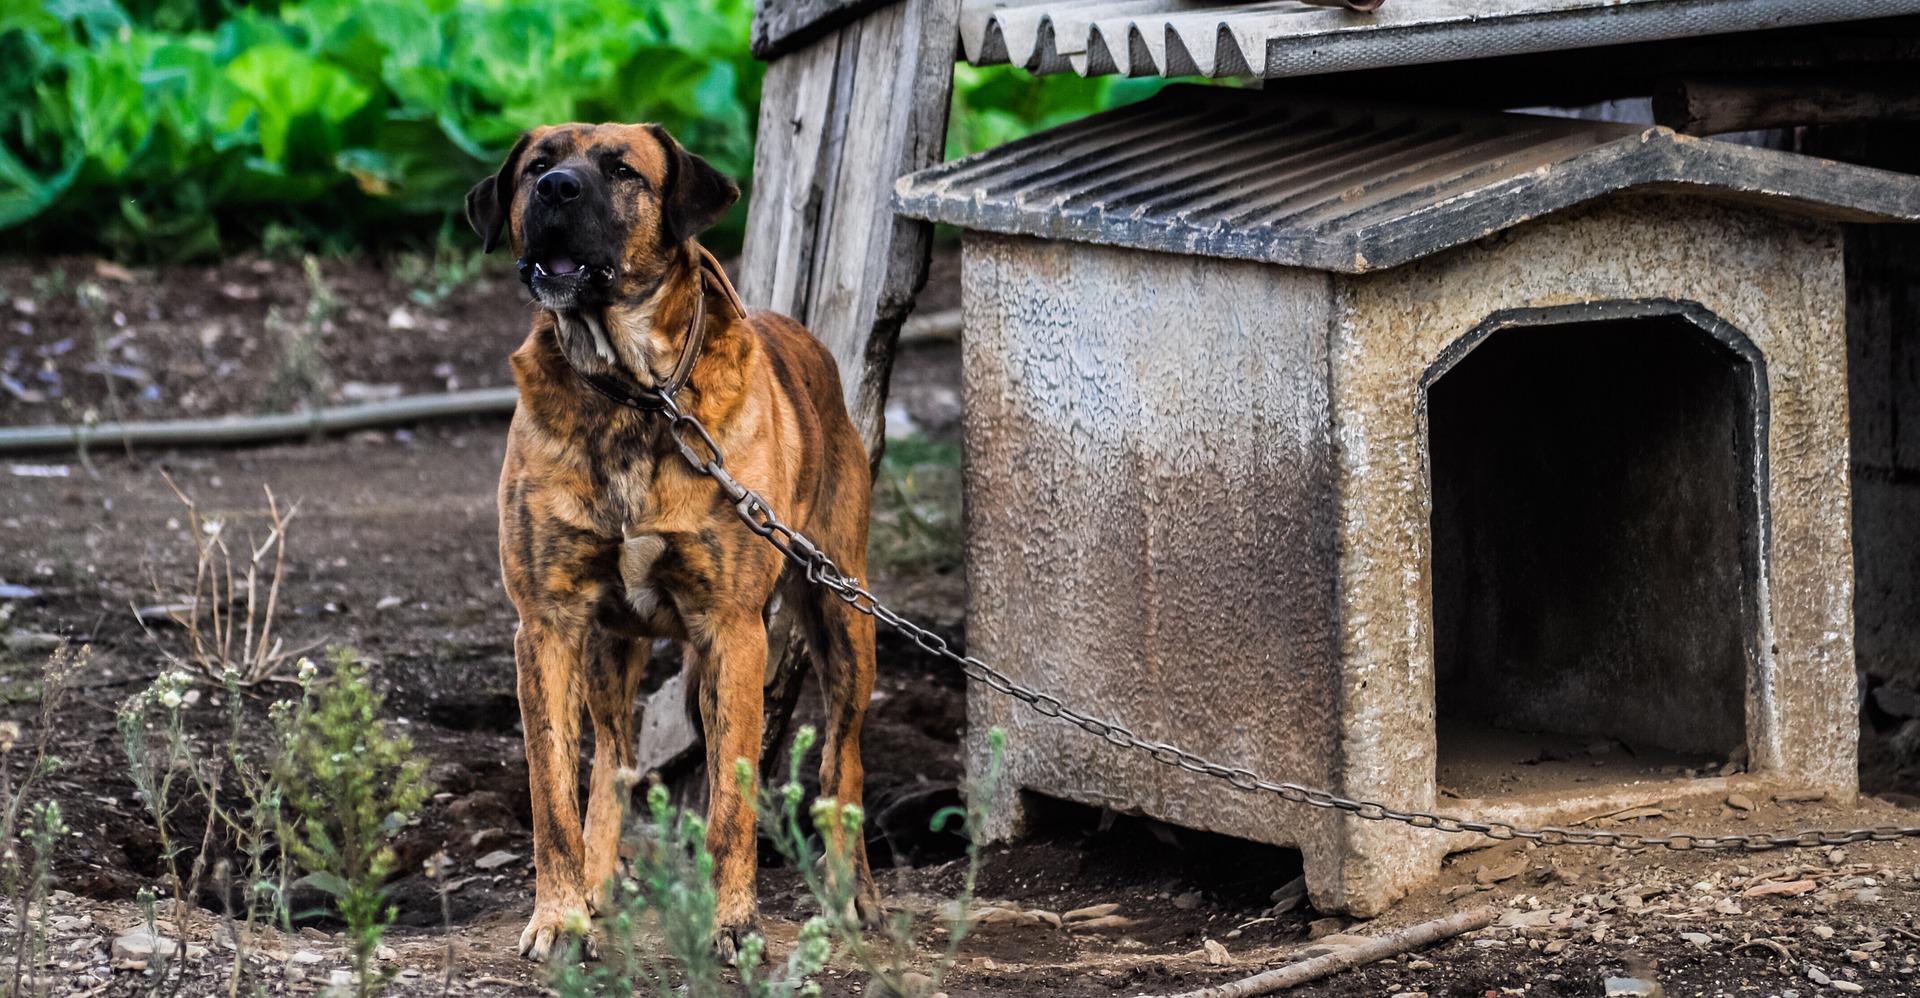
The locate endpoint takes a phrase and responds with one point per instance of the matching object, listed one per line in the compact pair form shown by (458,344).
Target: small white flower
(308,670)
(171,699)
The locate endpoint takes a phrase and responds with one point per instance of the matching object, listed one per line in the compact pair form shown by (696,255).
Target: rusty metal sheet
(1351,187)
(1279,38)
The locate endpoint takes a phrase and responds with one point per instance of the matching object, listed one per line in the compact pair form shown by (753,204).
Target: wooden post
(855,96)
(841,118)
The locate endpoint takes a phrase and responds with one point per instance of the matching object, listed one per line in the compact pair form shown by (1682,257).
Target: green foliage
(348,786)
(171,129)
(917,524)
(671,890)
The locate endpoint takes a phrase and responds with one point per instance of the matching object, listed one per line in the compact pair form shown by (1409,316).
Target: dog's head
(593,210)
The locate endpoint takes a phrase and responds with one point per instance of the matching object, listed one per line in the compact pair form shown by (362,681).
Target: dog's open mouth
(562,280)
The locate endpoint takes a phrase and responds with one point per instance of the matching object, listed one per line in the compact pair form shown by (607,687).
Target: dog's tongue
(562,265)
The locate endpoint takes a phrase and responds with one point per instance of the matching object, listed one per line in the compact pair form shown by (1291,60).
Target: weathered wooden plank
(780,26)
(841,119)
(1716,106)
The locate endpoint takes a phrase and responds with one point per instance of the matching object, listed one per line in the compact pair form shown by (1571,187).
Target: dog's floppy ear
(696,194)
(491,199)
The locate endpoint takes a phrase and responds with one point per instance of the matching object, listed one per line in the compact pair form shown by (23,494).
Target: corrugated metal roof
(1286,38)
(1350,187)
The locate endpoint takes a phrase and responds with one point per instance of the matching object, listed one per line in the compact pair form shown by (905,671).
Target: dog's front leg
(551,696)
(733,670)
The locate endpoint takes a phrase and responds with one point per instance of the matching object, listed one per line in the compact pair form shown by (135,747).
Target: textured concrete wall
(1883,367)
(1151,535)
(1779,281)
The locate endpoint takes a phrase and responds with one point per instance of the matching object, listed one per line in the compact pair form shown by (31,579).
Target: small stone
(1848,987)
(341,979)
(1699,939)
(1726,906)
(133,950)
(915,985)
(388,602)
(1823,931)
(496,859)
(1740,802)
(1420,965)
(1320,928)
(1634,987)
(1835,857)
(1103,923)
(1090,911)
(1555,947)
(1817,976)
(307,957)
(1188,901)
(1216,953)
(1410,994)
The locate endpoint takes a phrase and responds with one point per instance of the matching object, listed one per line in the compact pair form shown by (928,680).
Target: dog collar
(656,398)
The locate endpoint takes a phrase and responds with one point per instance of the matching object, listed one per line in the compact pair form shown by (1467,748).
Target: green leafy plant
(348,786)
(172,129)
(24,876)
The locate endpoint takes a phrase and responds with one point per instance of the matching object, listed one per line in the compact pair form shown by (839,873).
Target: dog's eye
(625,172)
(538,166)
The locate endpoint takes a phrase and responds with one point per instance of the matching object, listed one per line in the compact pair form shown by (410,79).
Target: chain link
(820,569)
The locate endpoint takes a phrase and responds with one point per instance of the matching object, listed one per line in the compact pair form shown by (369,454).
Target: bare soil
(393,554)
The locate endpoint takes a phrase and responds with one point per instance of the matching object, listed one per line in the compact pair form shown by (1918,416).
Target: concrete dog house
(1386,450)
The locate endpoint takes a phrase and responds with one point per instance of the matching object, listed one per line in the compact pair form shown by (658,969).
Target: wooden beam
(780,26)
(1715,106)
(840,120)
(841,117)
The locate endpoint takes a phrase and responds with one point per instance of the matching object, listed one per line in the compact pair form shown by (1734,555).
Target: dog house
(1478,462)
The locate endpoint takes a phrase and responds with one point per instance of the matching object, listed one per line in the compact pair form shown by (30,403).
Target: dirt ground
(392,554)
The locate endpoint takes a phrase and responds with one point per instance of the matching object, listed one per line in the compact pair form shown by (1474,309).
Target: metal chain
(692,437)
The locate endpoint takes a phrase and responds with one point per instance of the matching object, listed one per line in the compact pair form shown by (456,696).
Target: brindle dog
(608,540)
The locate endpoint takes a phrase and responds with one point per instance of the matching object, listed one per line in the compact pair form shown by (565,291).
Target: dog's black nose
(557,187)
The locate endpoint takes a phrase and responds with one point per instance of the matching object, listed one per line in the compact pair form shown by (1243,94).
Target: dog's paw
(727,940)
(867,905)
(549,927)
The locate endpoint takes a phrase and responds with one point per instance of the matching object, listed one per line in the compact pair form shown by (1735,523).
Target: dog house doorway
(1597,532)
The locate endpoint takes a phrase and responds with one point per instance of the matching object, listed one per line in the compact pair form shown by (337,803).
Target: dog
(610,540)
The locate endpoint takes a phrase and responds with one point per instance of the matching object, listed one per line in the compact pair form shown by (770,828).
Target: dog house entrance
(1595,555)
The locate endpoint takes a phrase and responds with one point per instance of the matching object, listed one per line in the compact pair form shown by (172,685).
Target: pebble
(1216,953)
(1634,987)
(1188,901)
(1699,939)
(1103,922)
(1848,986)
(1817,976)
(1322,927)
(1090,911)
(1410,994)
(133,950)
(1823,931)
(1740,802)
(306,957)
(496,859)
(1420,965)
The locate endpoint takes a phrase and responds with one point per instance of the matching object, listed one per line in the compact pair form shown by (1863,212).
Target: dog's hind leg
(841,641)
(613,679)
